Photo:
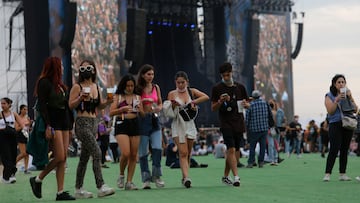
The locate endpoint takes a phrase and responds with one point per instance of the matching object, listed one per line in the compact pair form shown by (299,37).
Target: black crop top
(89,106)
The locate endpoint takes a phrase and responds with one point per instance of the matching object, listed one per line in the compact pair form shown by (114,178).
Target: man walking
(228,98)
(258,121)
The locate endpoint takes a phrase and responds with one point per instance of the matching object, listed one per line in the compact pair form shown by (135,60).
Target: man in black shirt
(228,98)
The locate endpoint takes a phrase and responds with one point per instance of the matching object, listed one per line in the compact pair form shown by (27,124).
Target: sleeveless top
(10,120)
(89,106)
(181,102)
(336,117)
(153,95)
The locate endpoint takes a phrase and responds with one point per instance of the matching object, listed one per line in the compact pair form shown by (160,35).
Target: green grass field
(294,180)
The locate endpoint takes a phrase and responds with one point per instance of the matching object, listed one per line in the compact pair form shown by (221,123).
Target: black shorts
(232,138)
(128,127)
(60,119)
(20,138)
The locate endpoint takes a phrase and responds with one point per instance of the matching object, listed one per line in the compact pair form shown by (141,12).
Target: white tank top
(9,119)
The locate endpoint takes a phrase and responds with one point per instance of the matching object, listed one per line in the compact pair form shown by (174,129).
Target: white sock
(60,192)
(38,180)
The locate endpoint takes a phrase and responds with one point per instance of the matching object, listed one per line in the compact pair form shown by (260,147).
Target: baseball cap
(256,94)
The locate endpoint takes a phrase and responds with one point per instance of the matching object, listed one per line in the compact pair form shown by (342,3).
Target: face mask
(127,92)
(86,75)
(228,82)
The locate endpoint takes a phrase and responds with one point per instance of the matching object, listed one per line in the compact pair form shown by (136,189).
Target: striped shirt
(257,116)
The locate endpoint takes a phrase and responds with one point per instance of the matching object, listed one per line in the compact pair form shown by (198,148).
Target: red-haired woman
(53,107)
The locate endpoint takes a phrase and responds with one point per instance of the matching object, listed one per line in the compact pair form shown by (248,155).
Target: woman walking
(126,108)
(22,137)
(85,97)
(150,128)
(184,130)
(53,105)
(8,145)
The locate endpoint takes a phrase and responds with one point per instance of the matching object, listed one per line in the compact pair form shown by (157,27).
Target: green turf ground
(294,180)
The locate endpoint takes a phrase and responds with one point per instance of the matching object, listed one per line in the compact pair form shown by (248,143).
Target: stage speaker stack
(135,38)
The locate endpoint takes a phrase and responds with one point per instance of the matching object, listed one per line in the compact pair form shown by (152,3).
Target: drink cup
(240,106)
(110,92)
(343,91)
(86,90)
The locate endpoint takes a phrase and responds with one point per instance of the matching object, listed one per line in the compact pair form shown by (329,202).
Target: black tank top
(89,106)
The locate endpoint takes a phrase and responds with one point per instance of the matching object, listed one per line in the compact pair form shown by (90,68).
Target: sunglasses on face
(86,68)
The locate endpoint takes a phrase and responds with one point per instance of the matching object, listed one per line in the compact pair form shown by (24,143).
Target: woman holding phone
(184,132)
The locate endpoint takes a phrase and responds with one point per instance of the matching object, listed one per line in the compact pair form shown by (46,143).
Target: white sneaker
(12,179)
(130,186)
(7,181)
(227,180)
(326,178)
(186,182)
(358,178)
(158,182)
(344,177)
(121,182)
(105,191)
(146,185)
(82,194)
(236,182)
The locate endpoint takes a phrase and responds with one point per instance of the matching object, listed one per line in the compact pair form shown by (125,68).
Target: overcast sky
(331,45)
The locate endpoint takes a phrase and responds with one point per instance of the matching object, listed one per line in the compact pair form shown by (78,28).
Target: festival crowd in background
(126,127)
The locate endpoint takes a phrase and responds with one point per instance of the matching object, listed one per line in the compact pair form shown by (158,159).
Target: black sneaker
(105,166)
(36,187)
(240,165)
(64,196)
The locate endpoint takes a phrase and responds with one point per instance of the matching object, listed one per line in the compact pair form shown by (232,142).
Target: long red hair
(52,70)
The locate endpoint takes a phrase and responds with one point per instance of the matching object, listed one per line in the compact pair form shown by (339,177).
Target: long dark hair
(141,81)
(22,106)
(333,89)
(93,76)
(122,84)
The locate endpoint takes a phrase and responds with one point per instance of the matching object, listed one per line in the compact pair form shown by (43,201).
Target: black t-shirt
(230,119)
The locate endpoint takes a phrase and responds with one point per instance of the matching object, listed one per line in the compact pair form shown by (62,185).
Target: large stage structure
(191,35)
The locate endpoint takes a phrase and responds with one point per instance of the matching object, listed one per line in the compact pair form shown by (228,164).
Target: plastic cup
(343,91)
(110,93)
(86,90)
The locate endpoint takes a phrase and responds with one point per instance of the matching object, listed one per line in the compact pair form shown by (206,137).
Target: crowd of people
(127,122)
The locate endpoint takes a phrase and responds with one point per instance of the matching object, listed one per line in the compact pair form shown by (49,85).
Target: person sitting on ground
(172,158)
(220,149)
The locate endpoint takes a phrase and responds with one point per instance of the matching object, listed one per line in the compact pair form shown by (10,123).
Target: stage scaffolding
(15,62)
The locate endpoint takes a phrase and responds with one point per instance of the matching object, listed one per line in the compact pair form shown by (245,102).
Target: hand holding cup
(343,91)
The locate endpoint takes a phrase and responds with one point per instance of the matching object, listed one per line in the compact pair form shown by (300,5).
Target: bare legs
(184,155)
(129,147)
(61,144)
(23,155)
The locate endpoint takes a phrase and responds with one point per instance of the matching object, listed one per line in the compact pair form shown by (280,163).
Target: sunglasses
(86,68)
